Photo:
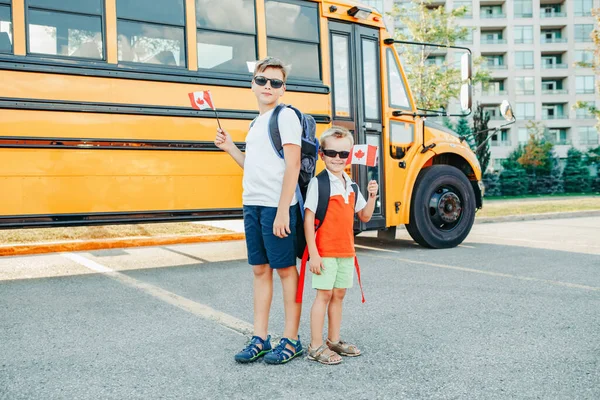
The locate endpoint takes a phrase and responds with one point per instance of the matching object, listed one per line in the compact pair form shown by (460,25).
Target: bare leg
(335,314)
(263,294)
(289,282)
(317,317)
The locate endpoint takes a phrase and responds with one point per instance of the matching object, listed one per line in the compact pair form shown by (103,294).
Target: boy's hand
(281,225)
(223,140)
(372,188)
(316,265)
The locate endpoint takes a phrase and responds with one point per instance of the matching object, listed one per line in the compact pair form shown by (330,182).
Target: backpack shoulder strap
(323,200)
(355,189)
(274,133)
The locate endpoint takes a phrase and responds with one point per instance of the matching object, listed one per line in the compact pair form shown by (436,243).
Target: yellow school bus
(96,125)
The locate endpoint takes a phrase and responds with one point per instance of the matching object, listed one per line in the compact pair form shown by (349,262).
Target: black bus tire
(442,209)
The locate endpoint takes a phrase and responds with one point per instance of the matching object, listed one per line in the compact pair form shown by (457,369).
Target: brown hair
(272,62)
(337,132)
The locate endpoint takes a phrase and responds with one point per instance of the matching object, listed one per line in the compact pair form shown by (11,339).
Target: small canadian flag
(201,100)
(364,154)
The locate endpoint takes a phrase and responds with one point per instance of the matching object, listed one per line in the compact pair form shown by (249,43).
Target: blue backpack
(308,161)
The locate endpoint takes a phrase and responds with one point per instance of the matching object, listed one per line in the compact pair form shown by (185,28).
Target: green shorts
(338,273)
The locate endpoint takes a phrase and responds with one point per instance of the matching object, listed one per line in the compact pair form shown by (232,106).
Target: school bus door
(356,101)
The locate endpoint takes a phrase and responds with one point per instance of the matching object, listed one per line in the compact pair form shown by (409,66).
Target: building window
(552,36)
(551,11)
(151,32)
(523,135)
(293,36)
(584,113)
(583,32)
(584,57)
(468,39)
(524,85)
(524,34)
(492,88)
(467,4)
(552,61)
(494,61)
(524,59)
(588,135)
(583,8)
(523,9)
(66,28)
(525,110)
(501,139)
(492,12)
(553,111)
(558,136)
(6,39)
(552,86)
(226,35)
(585,84)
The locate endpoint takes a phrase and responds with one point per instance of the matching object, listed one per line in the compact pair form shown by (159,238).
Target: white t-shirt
(263,168)
(337,187)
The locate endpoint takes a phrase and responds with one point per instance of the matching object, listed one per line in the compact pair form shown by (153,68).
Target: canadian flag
(364,154)
(201,100)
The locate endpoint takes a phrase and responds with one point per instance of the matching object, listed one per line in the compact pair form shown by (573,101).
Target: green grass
(540,196)
(524,206)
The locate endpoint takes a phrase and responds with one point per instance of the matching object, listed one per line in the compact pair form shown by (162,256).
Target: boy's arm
(367,212)
(291,155)
(225,143)
(309,232)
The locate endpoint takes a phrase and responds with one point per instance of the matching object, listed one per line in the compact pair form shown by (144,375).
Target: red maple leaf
(359,154)
(199,101)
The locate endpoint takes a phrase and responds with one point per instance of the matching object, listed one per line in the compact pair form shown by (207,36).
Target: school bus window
(341,75)
(293,36)
(151,32)
(397,90)
(55,29)
(371,79)
(226,35)
(5,28)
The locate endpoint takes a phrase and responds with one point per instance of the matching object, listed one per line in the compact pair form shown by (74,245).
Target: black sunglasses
(262,81)
(332,153)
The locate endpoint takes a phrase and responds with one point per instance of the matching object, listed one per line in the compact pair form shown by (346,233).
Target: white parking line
(198,309)
(477,271)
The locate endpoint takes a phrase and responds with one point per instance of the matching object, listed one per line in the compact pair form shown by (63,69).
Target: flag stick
(218,122)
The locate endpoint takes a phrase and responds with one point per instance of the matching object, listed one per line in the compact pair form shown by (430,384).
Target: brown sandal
(322,355)
(343,348)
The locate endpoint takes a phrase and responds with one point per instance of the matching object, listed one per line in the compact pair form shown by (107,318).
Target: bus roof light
(359,12)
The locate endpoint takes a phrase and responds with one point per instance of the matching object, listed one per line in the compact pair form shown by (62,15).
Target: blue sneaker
(252,351)
(281,354)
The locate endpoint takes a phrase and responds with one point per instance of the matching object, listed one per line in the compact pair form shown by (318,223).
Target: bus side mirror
(506,111)
(466,97)
(466,71)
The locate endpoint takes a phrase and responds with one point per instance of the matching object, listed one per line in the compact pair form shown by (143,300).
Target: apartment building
(531,48)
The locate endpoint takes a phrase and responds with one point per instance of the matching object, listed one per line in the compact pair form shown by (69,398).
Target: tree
(432,85)
(593,158)
(595,64)
(576,174)
(537,160)
(513,178)
(480,126)
(493,186)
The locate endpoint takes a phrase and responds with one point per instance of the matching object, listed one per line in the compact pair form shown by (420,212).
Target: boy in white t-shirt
(270,212)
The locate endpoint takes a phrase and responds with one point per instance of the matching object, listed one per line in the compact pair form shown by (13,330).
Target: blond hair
(337,132)
(272,62)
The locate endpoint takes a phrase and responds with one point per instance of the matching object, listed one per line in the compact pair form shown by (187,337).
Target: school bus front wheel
(442,209)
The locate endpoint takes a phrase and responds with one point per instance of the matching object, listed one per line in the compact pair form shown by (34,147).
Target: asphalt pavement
(512,313)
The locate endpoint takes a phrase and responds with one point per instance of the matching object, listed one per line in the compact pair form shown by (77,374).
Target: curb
(80,245)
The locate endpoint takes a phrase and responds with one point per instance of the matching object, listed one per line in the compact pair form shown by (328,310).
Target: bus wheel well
(463,165)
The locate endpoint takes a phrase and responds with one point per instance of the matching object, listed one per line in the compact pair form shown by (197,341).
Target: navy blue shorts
(264,247)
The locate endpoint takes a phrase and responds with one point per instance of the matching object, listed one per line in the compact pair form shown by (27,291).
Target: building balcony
(557,116)
(496,67)
(492,16)
(562,142)
(493,41)
(494,92)
(585,116)
(501,143)
(588,142)
(555,66)
(555,91)
(525,92)
(523,41)
(524,15)
(496,118)
(553,15)
(553,40)
(586,91)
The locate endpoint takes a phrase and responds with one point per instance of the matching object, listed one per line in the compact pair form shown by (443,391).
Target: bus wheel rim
(445,208)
